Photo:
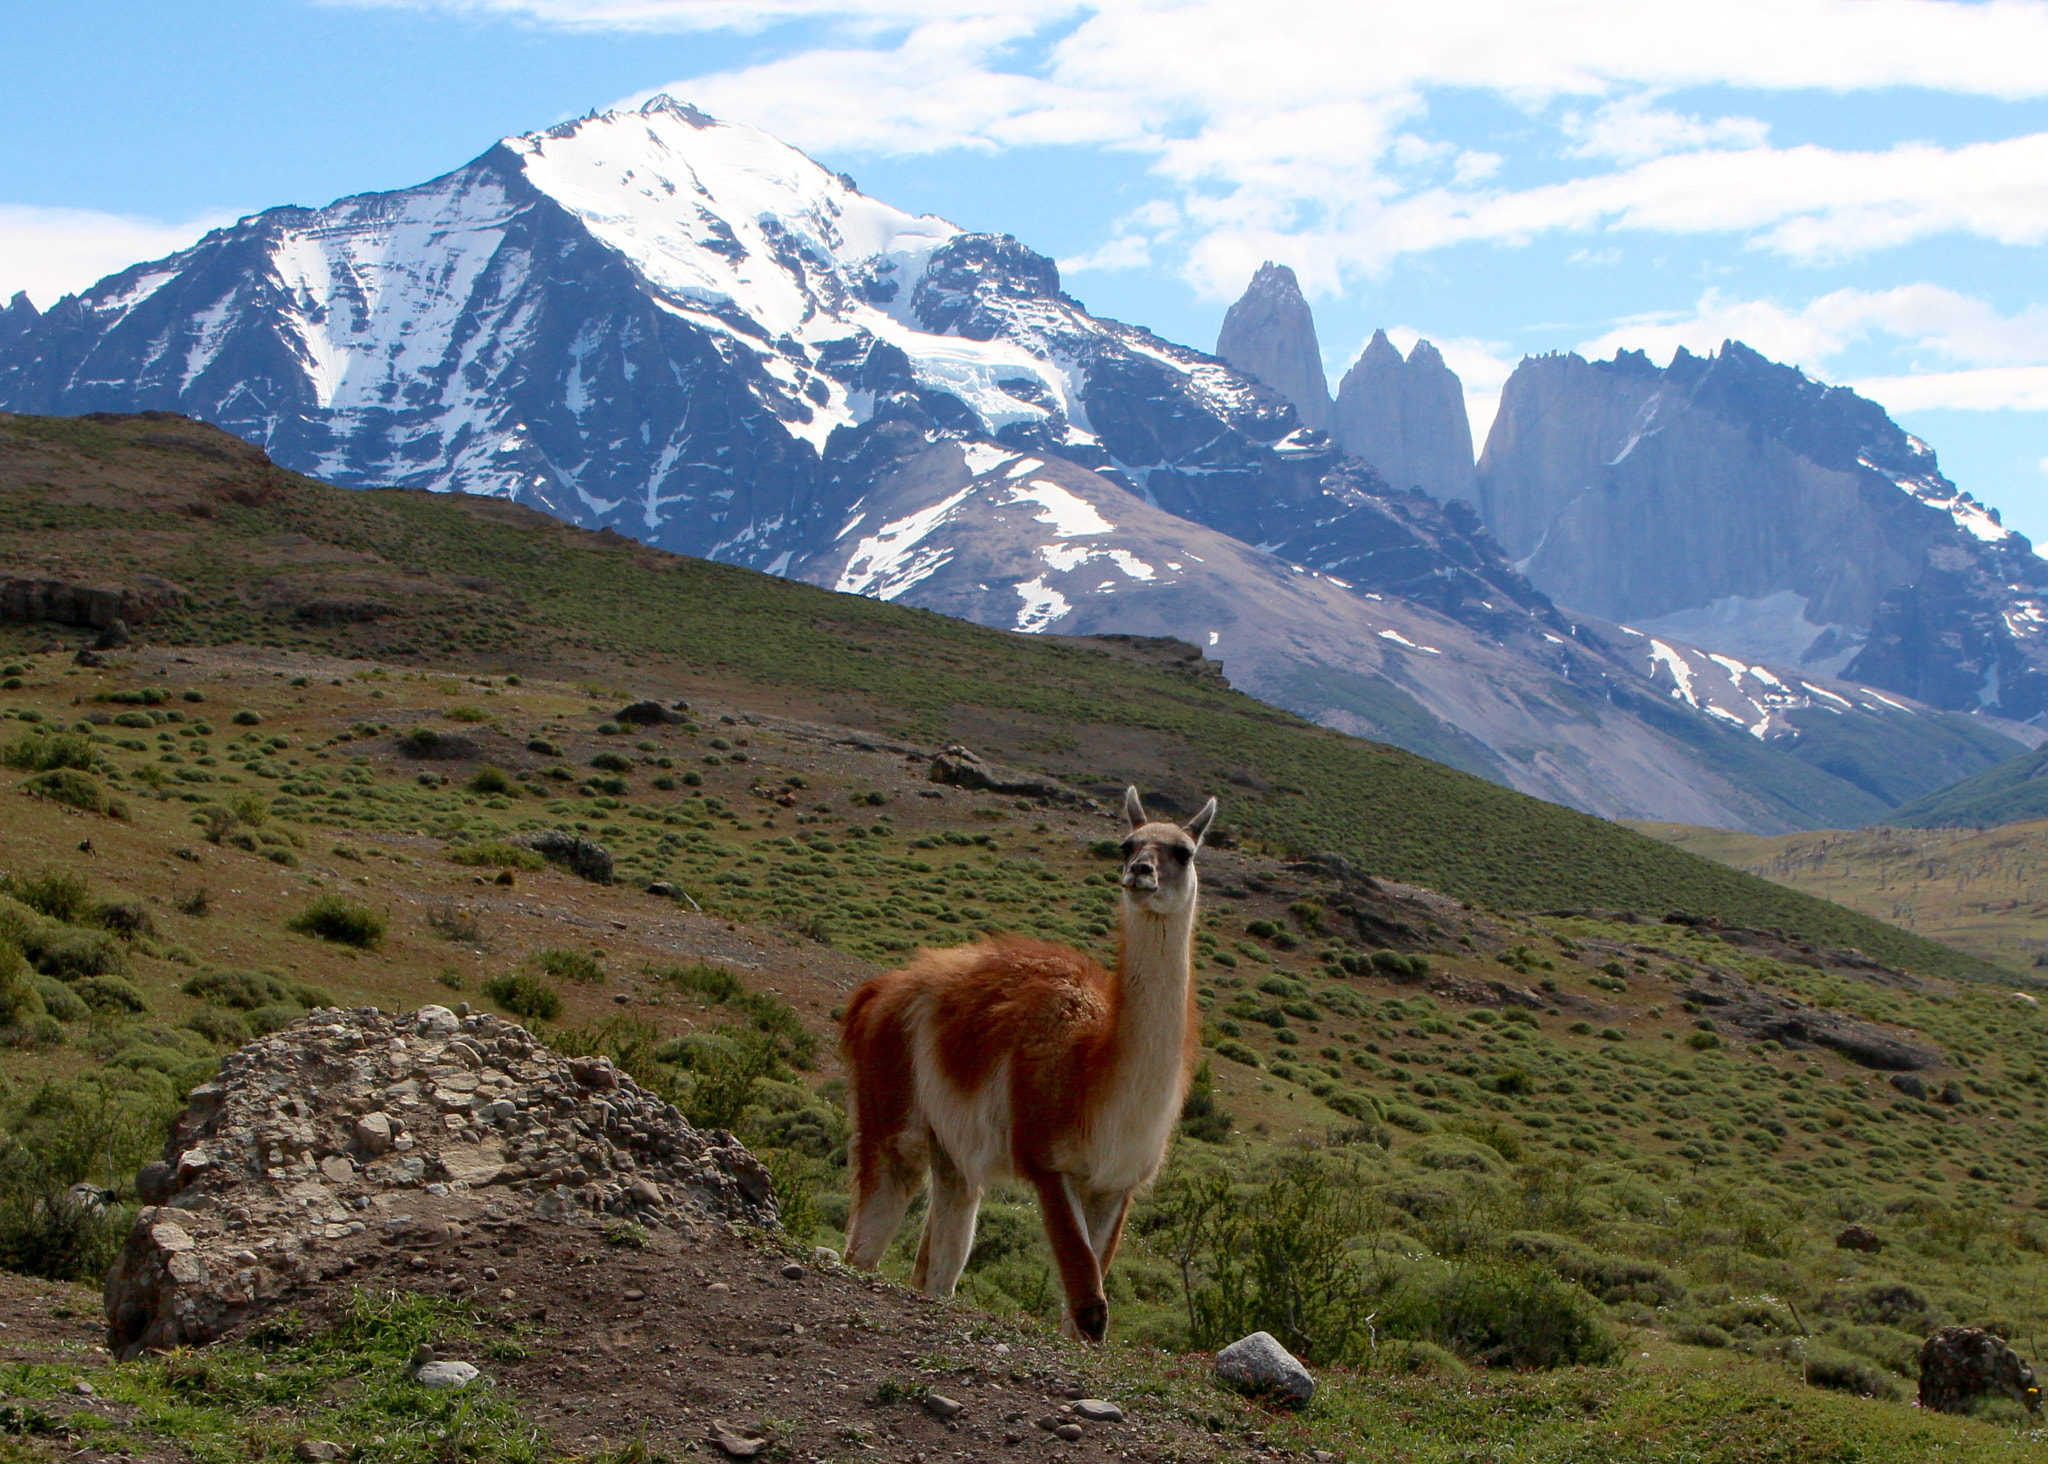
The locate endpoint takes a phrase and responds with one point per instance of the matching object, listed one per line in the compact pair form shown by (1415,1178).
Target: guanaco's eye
(1181,854)
(1130,847)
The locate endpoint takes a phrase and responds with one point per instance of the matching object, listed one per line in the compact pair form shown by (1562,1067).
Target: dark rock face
(1959,1365)
(1739,504)
(1270,335)
(1407,418)
(61,601)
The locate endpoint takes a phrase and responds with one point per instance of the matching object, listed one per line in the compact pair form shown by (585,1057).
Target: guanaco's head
(1159,857)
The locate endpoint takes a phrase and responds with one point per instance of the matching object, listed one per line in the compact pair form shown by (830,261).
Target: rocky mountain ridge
(1741,506)
(690,333)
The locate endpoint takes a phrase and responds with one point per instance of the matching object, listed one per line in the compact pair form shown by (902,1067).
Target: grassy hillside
(1467,1110)
(1979,890)
(1429,1136)
(271,559)
(2011,792)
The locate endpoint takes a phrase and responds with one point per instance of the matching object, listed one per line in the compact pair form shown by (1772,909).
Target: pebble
(83,1389)
(1097,1410)
(793,1272)
(318,1451)
(718,1288)
(445,1375)
(634,1295)
(940,1406)
(1067,1431)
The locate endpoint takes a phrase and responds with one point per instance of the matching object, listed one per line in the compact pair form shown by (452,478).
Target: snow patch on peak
(1043,606)
(895,557)
(1972,517)
(1070,515)
(1401,640)
(981,458)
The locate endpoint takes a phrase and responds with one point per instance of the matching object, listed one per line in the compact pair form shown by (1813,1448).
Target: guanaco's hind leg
(948,1226)
(1080,1274)
(884,1184)
(1103,1211)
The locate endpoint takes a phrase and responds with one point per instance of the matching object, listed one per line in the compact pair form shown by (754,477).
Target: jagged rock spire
(1270,333)
(1407,418)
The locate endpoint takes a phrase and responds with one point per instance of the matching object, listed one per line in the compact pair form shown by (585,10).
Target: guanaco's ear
(1134,810)
(1199,824)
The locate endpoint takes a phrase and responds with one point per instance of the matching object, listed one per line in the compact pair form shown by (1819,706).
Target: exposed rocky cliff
(1407,418)
(1740,505)
(1270,335)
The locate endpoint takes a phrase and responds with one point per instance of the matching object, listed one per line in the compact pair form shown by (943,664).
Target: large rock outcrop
(1738,505)
(315,1140)
(1270,335)
(1407,418)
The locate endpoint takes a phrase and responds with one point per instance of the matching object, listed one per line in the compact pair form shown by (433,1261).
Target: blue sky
(1857,186)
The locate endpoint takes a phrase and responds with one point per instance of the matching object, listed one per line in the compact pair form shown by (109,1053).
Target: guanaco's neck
(1154,964)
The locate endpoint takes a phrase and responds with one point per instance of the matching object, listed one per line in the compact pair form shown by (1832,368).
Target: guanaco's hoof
(1092,1320)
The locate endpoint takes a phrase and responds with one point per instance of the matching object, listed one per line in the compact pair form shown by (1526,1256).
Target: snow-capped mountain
(691,333)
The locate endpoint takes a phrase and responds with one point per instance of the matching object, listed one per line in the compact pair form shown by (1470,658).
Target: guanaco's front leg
(1080,1273)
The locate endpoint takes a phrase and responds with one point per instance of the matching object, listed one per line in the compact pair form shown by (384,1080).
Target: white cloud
(1634,128)
(1994,389)
(53,252)
(1959,328)
(2004,357)
(1309,123)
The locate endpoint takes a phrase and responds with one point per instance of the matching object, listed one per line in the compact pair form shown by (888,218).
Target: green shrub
(341,920)
(75,789)
(57,893)
(247,718)
(612,762)
(1844,1373)
(1614,1279)
(59,1000)
(95,1130)
(42,752)
(1508,1316)
(1238,1052)
(496,854)
(1701,1334)
(67,952)
(109,994)
(222,1028)
(467,714)
(20,999)
(1416,1358)
(525,995)
(728,1070)
(1400,1115)
(267,1019)
(1201,1117)
(243,990)
(492,782)
(567,965)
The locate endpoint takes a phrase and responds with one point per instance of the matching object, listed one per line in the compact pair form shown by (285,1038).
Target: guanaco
(1019,1058)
